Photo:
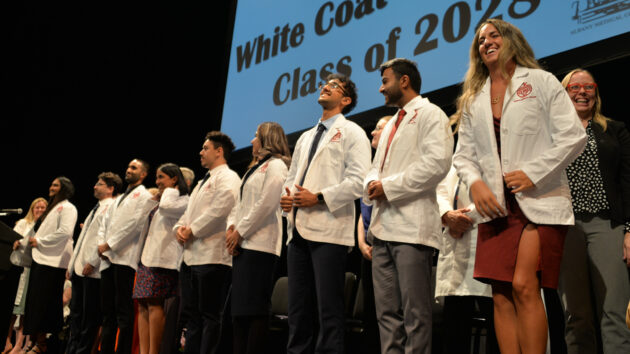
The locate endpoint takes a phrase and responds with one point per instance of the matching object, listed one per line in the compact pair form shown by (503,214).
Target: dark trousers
(250,334)
(316,273)
(458,322)
(85,314)
(205,291)
(117,307)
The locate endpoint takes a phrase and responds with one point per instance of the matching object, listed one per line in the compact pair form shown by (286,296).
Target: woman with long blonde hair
(518,132)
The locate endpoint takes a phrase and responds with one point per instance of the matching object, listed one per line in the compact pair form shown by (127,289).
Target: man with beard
(118,239)
(413,156)
(83,269)
(205,271)
(328,166)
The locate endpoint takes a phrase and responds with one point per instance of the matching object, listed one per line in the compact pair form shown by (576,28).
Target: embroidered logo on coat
(523,92)
(413,119)
(264,167)
(135,195)
(336,137)
(60,208)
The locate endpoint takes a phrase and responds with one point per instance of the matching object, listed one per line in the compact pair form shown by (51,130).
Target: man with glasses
(329,164)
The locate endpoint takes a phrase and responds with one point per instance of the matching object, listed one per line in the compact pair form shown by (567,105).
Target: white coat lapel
(328,136)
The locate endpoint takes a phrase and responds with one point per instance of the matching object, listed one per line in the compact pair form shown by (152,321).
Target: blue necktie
(311,153)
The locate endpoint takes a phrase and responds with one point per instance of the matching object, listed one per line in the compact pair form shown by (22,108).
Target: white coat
(161,248)
(418,159)
(257,216)
(208,208)
(540,135)
(121,229)
(54,236)
(337,170)
(86,249)
(456,261)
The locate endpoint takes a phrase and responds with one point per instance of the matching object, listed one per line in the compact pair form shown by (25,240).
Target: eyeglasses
(588,87)
(333,85)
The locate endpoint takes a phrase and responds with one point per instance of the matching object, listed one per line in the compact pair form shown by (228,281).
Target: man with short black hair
(328,166)
(413,156)
(201,230)
(118,242)
(83,269)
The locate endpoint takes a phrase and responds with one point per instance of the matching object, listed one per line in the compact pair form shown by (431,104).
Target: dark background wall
(88,86)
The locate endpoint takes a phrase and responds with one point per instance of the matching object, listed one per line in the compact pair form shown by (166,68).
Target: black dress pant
(85,314)
(316,273)
(117,307)
(204,294)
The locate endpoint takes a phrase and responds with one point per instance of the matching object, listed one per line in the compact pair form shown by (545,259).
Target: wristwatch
(320,198)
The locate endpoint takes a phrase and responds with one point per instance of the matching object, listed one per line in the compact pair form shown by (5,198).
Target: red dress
(498,240)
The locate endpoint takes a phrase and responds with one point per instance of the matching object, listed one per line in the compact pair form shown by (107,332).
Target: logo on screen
(591,10)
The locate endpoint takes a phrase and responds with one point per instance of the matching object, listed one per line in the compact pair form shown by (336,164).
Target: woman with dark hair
(518,133)
(594,282)
(161,255)
(254,238)
(52,249)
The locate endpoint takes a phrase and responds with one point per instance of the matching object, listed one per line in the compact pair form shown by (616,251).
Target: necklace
(495,100)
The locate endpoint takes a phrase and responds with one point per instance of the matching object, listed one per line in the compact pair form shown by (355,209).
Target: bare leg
(505,321)
(156,323)
(19,338)
(143,326)
(8,346)
(530,311)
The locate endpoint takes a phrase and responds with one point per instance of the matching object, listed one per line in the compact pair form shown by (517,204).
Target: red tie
(401,114)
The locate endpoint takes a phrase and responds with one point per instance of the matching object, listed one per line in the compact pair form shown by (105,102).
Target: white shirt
(86,249)
(54,236)
(456,261)
(206,215)
(419,157)
(257,216)
(337,170)
(121,229)
(540,135)
(161,248)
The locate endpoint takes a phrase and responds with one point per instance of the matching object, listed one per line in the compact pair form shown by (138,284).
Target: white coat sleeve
(567,134)
(269,200)
(129,225)
(221,203)
(356,159)
(465,158)
(67,218)
(445,192)
(172,205)
(435,143)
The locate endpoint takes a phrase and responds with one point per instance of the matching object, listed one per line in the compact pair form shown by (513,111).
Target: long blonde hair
(514,46)
(29,216)
(598,117)
(272,141)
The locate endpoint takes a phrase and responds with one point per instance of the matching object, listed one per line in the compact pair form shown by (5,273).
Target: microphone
(11,211)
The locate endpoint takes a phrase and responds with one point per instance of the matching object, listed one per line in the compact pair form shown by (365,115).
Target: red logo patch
(60,208)
(523,92)
(264,167)
(336,137)
(135,195)
(413,119)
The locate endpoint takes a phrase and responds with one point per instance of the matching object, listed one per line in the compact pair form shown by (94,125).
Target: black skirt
(252,283)
(44,300)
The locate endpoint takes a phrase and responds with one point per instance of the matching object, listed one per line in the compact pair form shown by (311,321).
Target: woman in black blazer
(594,284)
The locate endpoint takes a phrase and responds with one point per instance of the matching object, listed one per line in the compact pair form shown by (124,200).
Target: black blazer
(613,151)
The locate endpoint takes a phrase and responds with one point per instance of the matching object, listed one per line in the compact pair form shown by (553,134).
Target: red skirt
(497,247)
